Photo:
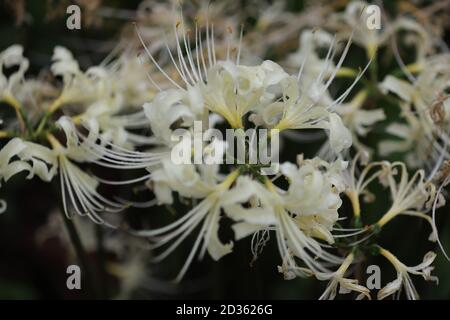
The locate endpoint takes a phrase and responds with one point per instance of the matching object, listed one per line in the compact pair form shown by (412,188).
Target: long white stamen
(141,61)
(208,39)
(213,46)
(183,66)
(187,47)
(196,52)
(153,59)
(238,58)
(177,68)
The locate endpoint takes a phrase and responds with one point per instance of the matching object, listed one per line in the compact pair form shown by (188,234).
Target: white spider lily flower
(346,285)
(78,189)
(133,274)
(12,57)
(9,168)
(167,108)
(214,192)
(425,109)
(309,43)
(423,90)
(403,278)
(64,64)
(234,90)
(400,87)
(298,112)
(313,195)
(410,196)
(416,138)
(290,215)
(357,182)
(418,36)
(16,156)
(340,136)
(116,127)
(224,87)
(78,86)
(134,85)
(359,121)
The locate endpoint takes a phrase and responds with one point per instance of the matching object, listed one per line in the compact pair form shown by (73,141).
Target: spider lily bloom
(296,112)
(403,278)
(42,160)
(224,87)
(9,168)
(78,86)
(207,185)
(304,103)
(425,107)
(306,210)
(309,43)
(116,129)
(115,121)
(345,285)
(410,196)
(417,36)
(11,87)
(12,57)
(115,101)
(358,120)
(313,195)
(356,184)
(420,94)
(18,156)
(77,186)
(130,70)
(168,108)
(233,90)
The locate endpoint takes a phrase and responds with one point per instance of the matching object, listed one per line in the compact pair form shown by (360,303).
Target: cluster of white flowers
(207,70)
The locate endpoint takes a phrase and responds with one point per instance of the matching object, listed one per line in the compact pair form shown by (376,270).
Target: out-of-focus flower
(358,120)
(424,106)
(9,58)
(410,196)
(345,285)
(355,20)
(403,278)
